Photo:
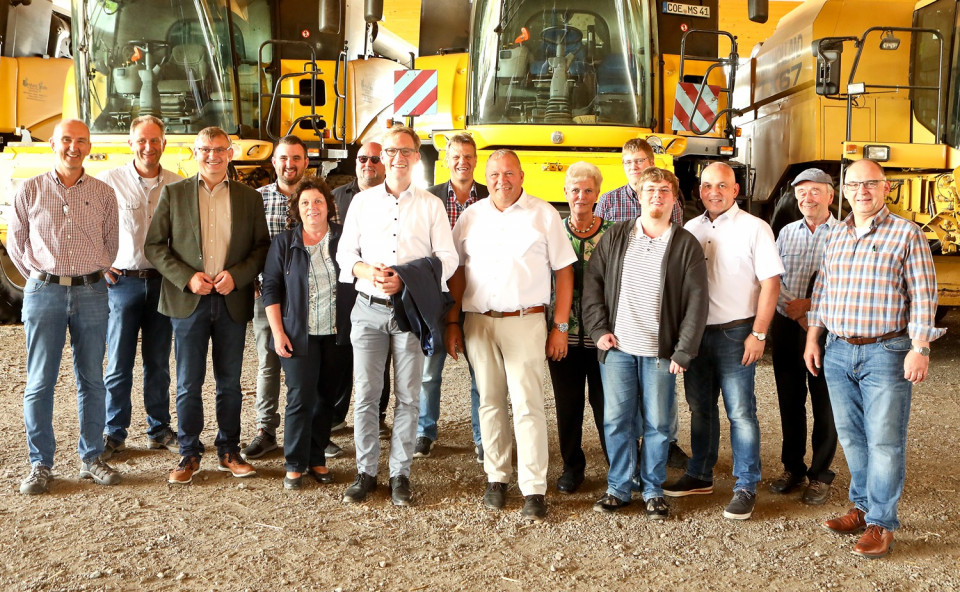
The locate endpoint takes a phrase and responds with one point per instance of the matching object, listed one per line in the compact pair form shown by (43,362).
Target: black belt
(374,300)
(67,280)
(730,325)
(869,340)
(143,274)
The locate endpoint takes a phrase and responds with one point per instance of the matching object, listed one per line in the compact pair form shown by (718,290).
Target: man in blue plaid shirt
(876,296)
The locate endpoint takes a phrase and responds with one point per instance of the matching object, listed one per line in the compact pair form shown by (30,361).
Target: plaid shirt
(69,231)
(623,204)
(881,282)
(275,208)
(454,208)
(801,252)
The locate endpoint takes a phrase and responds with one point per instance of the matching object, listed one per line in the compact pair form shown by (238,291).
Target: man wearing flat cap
(801,249)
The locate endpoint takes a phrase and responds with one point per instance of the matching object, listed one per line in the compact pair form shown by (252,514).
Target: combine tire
(11,290)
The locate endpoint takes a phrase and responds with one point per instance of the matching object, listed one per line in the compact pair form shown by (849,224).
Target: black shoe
(423,447)
(332,451)
(362,486)
(534,508)
(261,444)
(687,485)
(816,493)
(400,490)
(787,482)
(569,482)
(657,508)
(676,457)
(609,503)
(741,506)
(321,478)
(495,497)
(292,482)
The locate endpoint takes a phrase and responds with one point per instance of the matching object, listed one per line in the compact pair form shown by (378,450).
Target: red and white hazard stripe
(706,110)
(415,92)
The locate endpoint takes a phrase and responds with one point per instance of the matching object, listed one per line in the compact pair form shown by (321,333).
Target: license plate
(686,9)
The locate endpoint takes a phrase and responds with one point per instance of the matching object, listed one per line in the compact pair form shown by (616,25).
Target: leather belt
(869,340)
(516,313)
(374,300)
(67,280)
(143,274)
(730,325)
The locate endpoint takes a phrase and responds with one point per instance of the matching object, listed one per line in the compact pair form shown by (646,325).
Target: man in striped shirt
(876,296)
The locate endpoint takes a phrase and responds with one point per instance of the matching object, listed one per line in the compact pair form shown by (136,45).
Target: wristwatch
(562,327)
(760,336)
(923,351)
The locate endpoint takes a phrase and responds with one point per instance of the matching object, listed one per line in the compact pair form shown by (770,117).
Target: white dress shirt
(137,199)
(392,230)
(740,253)
(509,256)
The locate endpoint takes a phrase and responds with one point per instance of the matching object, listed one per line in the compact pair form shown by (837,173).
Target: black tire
(11,290)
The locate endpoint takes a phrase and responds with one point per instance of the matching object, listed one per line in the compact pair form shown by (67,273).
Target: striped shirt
(801,252)
(275,206)
(322,289)
(878,283)
(69,231)
(454,207)
(624,204)
(638,310)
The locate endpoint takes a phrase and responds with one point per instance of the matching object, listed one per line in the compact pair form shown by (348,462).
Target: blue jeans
(48,311)
(717,370)
(430,398)
(638,394)
(871,408)
(133,309)
(192,337)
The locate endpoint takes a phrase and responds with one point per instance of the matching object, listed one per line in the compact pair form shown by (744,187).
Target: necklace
(593,221)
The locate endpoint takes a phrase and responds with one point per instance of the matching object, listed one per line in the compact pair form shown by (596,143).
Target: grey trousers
(268,373)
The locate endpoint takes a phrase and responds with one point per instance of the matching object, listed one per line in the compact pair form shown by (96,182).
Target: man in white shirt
(511,246)
(391,224)
(743,277)
(134,293)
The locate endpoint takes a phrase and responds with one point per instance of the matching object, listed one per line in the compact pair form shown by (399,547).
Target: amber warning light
(305,33)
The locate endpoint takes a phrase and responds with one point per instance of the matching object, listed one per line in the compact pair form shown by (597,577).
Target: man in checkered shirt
(62,235)
(876,296)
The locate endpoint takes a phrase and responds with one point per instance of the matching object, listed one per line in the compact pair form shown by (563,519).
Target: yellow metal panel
(892,113)
(451,93)
(8,101)
(291,109)
(519,136)
(948,280)
(38,93)
(835,129)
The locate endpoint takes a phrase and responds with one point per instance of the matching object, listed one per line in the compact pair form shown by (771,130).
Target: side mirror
(373,11)
(827,76)
(758,10)
(329,21)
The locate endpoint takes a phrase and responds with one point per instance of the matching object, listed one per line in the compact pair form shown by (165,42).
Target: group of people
(618,298)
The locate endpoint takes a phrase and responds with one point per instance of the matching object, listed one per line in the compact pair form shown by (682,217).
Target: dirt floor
(222,533)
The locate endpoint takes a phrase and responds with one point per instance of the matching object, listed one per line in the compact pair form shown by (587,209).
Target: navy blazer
(286,282)
(422,304)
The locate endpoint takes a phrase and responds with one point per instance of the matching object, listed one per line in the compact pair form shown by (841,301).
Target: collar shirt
(392,230)
(800,251)
(740,253)
(454,207)
(623,203)
(137,199)
(275,206)
(509,256)
(68,231)
(215,225)
(878,283)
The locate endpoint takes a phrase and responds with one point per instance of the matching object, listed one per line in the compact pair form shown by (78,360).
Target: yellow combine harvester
(843,79)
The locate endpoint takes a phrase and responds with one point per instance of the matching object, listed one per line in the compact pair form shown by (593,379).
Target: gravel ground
(222,533)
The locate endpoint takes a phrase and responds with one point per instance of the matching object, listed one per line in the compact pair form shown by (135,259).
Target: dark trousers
(342,402)
(577,373)
(793,380)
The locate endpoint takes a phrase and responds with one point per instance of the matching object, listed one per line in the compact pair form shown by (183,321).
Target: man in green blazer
(208,239)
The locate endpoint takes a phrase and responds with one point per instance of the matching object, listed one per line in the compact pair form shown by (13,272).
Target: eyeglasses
(363,159)
(218,150)
(635,162)
(391,152)
(855,185)
(657,190)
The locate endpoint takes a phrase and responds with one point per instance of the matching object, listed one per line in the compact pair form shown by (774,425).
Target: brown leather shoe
(183,474)
(850,522)
(816,493)
(875,543)
(233,463)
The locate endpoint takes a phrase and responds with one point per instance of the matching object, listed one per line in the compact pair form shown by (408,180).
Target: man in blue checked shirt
(875,295)
(801,249)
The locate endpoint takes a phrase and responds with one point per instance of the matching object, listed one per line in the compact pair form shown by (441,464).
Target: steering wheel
(569,37)
(149,46)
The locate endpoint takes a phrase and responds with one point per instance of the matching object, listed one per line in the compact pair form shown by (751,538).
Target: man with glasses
(801,249)
(209,240)
(391,225)
(743,280)
(290,163)
(456,194)
(875,296)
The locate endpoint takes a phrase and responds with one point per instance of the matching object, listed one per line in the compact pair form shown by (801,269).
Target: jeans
(579,371)
(48,311)
(871,407)
(638,394)
(717,370)
(268,373)
(310,393)
(373,334)
(793,380)
(430,398)
(210,322)
(133,311)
